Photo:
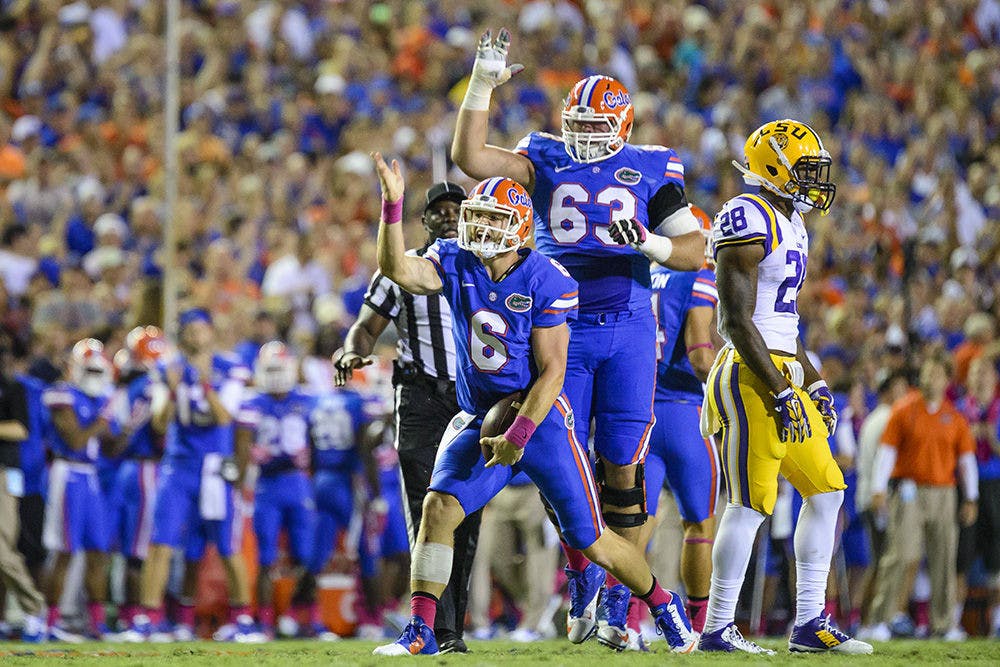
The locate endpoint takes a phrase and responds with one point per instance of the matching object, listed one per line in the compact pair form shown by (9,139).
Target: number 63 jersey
(576,202)
(749,218)
(492,321)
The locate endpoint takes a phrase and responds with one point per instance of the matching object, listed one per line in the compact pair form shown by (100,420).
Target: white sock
(730,556)
(814,536)
(995,619)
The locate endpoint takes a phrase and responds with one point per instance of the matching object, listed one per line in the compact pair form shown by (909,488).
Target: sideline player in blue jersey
(510,307)
(274,427)
(685,304)
(75,516)
(138,474)
(195,500)
(595,198)
(384,549)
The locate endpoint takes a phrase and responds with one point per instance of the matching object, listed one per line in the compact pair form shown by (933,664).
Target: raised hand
(821,396)
(627,232)
(794,425)
(491,67)
(390,179)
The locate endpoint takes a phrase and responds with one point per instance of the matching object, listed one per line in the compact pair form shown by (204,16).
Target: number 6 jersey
(749,218)
(492,321)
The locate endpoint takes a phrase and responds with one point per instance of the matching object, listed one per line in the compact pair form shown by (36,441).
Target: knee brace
(623,498)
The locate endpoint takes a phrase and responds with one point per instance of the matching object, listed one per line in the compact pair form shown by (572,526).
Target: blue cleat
(612,630)
(821,635)
(584,595)
(416,639)
(672,622)
(729,640)
(34,631)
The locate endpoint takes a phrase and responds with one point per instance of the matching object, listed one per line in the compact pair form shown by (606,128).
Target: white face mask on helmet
(276,370)
(89,369)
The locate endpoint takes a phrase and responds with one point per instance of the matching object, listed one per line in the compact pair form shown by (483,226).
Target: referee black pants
(423,409)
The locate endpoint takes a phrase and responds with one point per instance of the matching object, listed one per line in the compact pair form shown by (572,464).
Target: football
(500,417)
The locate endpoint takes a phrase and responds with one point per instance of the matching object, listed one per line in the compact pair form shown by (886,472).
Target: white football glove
(490,70)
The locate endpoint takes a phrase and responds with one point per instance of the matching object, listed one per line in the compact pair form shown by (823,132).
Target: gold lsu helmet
(787,158)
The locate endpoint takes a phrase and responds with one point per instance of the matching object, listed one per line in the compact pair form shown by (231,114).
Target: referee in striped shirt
(424,380)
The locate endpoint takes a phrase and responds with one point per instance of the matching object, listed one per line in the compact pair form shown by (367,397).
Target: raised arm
(416,275)
(469,149)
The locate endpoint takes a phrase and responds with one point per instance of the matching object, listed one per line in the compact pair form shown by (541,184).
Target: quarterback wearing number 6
(766,403)
(510,306)
(603,208)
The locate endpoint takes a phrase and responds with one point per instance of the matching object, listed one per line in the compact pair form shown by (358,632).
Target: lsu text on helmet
(597,119)
(787,158)
(496,218)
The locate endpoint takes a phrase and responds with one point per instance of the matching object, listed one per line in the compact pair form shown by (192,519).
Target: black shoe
(450,642)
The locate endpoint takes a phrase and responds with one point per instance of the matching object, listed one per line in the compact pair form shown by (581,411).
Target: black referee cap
(445,190)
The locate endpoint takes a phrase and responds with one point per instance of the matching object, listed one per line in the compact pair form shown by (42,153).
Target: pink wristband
(392,211)
(700,345)
(520,431)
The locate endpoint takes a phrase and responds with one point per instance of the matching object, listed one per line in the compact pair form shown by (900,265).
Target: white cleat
(184,633)
(287,627)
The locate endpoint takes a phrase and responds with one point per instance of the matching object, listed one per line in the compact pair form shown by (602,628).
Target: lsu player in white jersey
(765,402)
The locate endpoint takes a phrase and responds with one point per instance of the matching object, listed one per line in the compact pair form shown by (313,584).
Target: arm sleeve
(703,290)
(558,303)
(248,415)
(382,296)
(57,397)
(740,222)
(442,255)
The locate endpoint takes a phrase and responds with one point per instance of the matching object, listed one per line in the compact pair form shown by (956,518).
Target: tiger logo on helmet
(89,368)
(787,158)
(276,370)
(496,218)
(597,119)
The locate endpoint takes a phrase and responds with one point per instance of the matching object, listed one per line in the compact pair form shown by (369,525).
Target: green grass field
(556,652)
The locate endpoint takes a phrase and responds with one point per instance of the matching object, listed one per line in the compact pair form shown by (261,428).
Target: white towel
(212,501)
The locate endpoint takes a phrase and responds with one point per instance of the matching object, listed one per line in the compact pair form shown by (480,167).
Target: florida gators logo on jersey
(596,119)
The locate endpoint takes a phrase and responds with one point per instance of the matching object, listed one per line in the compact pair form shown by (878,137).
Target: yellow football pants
(738,404)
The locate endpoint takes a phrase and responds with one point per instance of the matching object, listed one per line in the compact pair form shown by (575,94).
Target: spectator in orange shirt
(926,441)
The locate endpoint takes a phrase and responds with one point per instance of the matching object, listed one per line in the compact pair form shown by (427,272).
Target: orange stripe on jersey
(569,295)
(640,454)
(705,281)
(583,468)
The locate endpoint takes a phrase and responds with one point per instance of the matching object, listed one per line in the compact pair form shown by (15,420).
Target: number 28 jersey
(492,321)
(749,218)
(575,203)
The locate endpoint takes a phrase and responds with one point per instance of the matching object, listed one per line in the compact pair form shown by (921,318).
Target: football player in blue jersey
(384,549)
(195,500)
(274,427)
(32,508)
(139,471)
(338,423)
(597,200)
(510,307)
(75,516)
(684,303)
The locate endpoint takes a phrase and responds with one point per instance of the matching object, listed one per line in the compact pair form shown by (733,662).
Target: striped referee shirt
(423,323)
